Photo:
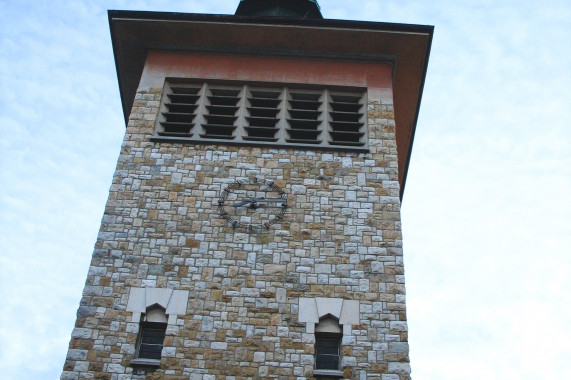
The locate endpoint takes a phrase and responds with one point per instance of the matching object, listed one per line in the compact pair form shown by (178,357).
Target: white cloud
(486,213)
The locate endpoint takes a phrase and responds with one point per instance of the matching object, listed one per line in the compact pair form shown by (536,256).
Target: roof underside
(407,47)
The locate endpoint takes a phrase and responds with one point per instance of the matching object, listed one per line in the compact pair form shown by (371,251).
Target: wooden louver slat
(346,120)
(221,117)
(262,122)
(178,120)
(304,118)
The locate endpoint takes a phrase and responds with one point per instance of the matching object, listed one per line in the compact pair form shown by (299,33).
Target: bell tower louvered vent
(180,111)
(304,118)
(262,122)
(347,120)
(222,107)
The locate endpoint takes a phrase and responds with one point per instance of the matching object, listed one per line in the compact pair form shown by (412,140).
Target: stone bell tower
(252,229)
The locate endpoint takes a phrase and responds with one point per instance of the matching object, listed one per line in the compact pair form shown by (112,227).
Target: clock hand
(252,201)
(244,202)
(267,199)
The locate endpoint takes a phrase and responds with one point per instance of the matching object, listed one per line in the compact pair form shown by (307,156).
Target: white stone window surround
(173,301)
(141,300)
(311,310)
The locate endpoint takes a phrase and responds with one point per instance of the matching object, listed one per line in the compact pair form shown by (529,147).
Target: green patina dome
(280,8)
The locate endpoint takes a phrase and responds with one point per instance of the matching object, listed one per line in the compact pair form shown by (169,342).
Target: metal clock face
(254,205)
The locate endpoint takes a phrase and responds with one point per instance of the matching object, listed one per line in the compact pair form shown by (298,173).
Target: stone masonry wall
(340,239)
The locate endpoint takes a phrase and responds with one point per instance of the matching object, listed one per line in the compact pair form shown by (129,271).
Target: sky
(486,214)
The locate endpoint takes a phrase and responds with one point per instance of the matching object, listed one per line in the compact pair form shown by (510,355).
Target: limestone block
(308,310)
(329,306)
(169,352)
(136,300)
(132,328)
(68,375)
(73,354)
(398,347)
(307,359)
(86,311)
(219,345)
(377,267)
(348,361)
(274,269)
(263,371)
(115,368)
(350,313)
(128,349)
(322,268)
(350,195)
(81,333)
(400,368)
(398,326)
(259,357)
(310,327)
(178,302)
(298,189)
(157,296)
(347,329)
(281,295)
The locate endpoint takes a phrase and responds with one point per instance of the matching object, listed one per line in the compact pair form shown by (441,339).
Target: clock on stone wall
(254,205)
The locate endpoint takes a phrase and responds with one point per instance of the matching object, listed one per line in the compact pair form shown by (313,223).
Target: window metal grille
(327,351)
(151,340)
(252,115)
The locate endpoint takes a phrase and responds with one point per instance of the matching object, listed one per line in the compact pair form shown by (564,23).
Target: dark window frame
(149,331)
(328,351)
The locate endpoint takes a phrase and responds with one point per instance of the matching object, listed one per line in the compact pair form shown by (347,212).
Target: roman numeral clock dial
(254,205)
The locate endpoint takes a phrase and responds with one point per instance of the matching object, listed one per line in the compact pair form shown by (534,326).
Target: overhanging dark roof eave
(134,33)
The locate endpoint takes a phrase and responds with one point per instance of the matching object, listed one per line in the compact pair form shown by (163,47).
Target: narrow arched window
(328,335)
(152,333)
